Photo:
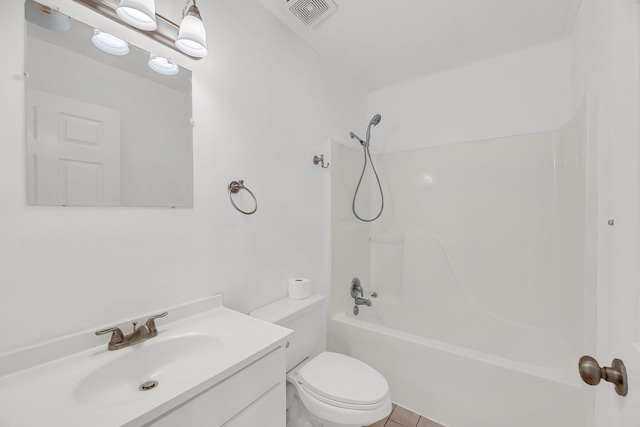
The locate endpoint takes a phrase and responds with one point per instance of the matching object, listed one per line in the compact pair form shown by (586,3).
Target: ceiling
(382,42)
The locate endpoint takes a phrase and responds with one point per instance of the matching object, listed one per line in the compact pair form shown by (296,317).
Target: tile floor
(401,417)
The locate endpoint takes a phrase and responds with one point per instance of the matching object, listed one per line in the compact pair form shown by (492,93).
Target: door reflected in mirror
(103,129)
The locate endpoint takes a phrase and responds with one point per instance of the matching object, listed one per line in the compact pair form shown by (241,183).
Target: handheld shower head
(375,120)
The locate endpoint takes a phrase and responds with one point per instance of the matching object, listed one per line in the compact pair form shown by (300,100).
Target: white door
(618,332)
(73,152)
(618,298)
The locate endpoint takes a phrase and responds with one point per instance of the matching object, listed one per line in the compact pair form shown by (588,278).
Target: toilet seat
(343,381)
(341,389)
(339,404)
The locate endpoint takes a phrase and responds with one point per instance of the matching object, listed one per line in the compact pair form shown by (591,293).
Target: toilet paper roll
(299,288)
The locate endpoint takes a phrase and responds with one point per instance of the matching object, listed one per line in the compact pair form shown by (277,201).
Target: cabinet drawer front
(219,404)
(269,410)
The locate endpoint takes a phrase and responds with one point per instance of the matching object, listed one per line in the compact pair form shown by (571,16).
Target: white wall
(522,92)
(263,105)
(604,47)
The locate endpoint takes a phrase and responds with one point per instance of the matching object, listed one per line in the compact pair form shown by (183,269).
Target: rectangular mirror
(103,129)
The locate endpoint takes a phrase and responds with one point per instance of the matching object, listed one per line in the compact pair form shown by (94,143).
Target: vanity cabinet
(253,396)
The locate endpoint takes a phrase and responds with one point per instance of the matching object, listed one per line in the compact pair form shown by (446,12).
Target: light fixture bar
(166,33)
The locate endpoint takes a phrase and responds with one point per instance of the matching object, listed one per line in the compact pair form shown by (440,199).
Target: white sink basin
(75,381)
(171,362)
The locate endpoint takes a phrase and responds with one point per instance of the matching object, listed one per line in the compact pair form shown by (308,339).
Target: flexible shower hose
(367,153)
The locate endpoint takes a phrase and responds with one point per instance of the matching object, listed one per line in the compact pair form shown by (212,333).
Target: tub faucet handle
(356,288)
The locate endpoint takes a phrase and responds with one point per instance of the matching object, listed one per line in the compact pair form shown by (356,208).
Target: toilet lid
(343,379)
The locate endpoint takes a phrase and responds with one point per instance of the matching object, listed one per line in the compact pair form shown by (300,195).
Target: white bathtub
(460,387)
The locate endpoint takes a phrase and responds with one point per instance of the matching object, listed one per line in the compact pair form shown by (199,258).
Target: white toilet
(324,389)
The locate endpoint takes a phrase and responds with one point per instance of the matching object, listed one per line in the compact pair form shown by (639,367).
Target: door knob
(592,373)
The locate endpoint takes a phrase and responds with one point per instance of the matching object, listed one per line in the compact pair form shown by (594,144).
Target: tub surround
(199,344)
(474,238)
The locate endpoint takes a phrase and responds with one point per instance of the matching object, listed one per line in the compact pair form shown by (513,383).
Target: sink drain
(149,385)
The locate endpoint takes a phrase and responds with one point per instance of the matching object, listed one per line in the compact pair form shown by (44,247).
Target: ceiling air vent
(311,12)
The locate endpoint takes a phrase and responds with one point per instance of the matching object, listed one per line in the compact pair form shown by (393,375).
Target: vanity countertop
(76,381)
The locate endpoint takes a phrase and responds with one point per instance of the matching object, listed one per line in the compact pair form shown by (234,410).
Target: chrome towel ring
(236,186)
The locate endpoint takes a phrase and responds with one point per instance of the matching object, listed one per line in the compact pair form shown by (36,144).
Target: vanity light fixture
(188,38)
(192,38)
(109,44)
(138,13)
(163,65)
(46,17)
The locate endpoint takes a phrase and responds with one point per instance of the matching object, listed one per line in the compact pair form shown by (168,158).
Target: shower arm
(356,137)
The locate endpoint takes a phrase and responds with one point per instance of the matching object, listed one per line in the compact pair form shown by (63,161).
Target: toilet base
(299,416)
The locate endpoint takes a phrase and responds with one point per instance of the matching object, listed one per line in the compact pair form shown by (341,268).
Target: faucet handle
(151,324)
(356,288)
(116,337)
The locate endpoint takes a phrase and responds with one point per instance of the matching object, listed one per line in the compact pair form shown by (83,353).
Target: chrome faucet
(356,289)
(143,333)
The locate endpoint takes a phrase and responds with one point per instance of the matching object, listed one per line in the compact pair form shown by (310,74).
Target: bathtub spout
(363,301)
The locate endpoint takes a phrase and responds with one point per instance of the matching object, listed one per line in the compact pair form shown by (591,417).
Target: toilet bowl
(336,390)
(324,389)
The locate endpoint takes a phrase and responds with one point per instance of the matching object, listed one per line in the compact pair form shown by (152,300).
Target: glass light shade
(163,65)
(109,44)
(138,13)
(192,38)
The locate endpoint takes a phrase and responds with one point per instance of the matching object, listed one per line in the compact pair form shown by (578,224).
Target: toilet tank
(305,317)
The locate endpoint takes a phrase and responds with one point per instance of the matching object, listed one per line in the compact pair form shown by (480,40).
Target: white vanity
(208,366)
